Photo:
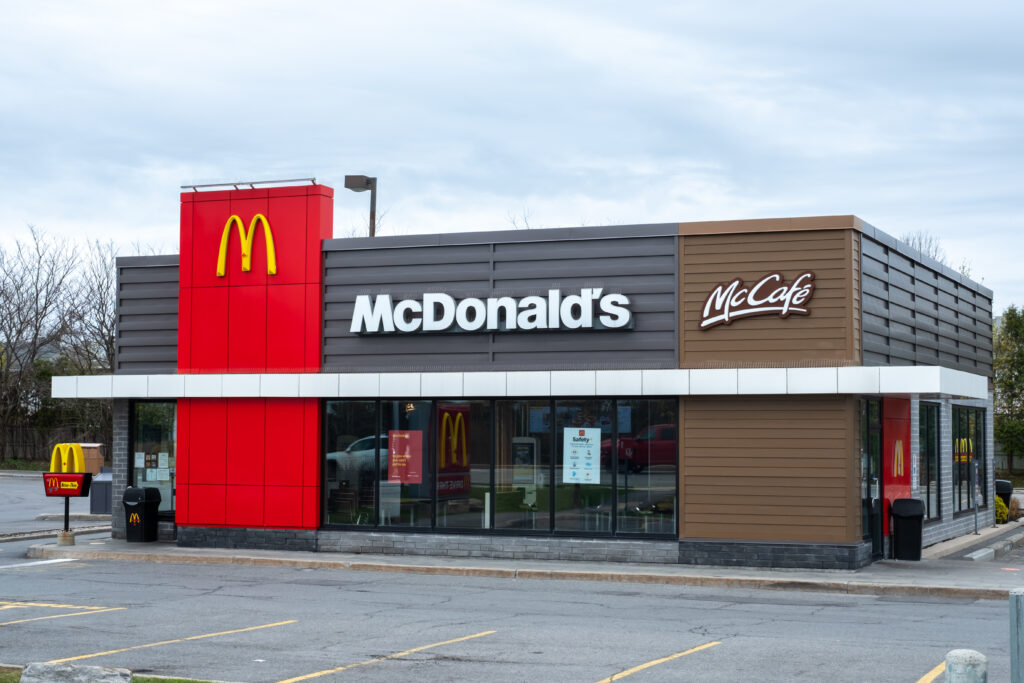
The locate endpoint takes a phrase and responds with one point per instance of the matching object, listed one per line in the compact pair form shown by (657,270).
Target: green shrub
(1001,511)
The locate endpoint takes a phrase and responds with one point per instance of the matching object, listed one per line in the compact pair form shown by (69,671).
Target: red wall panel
(207,441)
(247,329)
(284,455)
(182,450)
(311,442)
(206,504)
(311,507)
(287,334)
(244,506)
(291,257)
(209,347)
(246,443)
(283,506)
(180,503)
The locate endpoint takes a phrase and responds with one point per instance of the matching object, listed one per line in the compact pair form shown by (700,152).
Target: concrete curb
(74,516)
(51,533)
(613,575)
(998,549)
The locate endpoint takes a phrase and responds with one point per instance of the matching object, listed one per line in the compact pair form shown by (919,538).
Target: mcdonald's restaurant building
(735,393)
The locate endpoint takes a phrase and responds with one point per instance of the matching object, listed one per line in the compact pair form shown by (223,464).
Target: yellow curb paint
(169,642)
(933,674)
(630,672)
(61,616)
(4,604)
(375,660)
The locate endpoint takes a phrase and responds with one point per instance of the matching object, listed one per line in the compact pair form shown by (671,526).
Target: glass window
(928,459)
(522,496)
(406,474)
(353,441)
(583,470)
(646,471)
(968,453)
(464,464)
(154,433)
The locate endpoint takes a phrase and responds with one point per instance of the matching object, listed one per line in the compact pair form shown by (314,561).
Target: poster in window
(524,460)
(405,456)
(581,455)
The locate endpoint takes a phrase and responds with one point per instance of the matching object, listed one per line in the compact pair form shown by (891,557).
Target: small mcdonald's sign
(67,477)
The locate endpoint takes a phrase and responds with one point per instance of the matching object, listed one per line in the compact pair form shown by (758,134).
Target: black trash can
(907,519)
(141,508)
(1004,489)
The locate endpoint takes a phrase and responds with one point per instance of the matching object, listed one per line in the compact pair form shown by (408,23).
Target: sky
(486,115)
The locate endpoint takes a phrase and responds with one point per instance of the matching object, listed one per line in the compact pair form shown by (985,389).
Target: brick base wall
(119,460)
(507,547)
(256,539)
(725,553)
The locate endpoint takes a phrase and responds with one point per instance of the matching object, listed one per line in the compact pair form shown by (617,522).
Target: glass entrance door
(871,473)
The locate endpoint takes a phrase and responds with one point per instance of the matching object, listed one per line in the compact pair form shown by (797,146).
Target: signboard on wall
(581,451)
(768,296)
(405,456)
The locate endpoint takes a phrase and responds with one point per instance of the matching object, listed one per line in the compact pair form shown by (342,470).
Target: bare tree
(37,299)
(926,243)
(520,221)
(929,245)
(89,341)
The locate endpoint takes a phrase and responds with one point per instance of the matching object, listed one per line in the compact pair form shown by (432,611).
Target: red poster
(896,462)
(452,451)
(405,456)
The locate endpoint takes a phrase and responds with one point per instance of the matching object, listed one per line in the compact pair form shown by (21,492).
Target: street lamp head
(360,183)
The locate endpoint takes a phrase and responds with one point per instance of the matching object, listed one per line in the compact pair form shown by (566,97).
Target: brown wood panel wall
(770,469)
(827,336)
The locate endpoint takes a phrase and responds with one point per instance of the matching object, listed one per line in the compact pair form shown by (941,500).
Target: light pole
(361,183)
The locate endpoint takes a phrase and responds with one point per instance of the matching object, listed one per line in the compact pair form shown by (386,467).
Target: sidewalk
(932,577)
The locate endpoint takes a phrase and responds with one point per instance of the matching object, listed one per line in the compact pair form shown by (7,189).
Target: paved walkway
(933,576)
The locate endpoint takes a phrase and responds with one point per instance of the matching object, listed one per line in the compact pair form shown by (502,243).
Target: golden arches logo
(963,449)
(65,456)
(245,237)
(133,518)
(897,459)
(455,431)
(52,482)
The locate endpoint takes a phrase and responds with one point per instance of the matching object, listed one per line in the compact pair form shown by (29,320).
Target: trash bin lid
(151,495)
(907,507)
(134,494)
(1004,486)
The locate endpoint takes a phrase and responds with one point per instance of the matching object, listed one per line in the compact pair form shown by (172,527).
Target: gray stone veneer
(119,460)
(508,547)
(726,553)
(257,539)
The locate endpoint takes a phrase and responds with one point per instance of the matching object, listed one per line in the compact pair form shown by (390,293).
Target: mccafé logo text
(767,296)
(437,312)
(245,240)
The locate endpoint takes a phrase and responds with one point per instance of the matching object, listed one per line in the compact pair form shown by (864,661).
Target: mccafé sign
(438,312)
(768,296)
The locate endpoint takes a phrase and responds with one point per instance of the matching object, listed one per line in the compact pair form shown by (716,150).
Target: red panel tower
(250,284)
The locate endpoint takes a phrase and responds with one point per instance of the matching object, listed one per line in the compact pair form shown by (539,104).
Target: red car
(654,445)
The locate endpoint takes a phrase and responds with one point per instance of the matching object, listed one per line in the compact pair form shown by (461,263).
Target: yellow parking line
(6,604)
(384,659)
(169,642)
(933,674)
(59,616)
(630,672)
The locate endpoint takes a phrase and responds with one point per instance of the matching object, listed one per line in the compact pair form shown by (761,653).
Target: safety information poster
(581,455)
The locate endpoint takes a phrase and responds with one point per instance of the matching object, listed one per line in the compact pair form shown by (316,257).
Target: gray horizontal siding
(147,315)
(916,311)
(643,265)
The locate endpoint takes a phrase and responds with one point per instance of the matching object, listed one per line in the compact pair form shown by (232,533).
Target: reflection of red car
(654,445)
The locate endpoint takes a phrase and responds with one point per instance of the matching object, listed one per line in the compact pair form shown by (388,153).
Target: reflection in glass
(522,467)
(647,452)
(928,458)
(406,475)
(463,464)
(154,447)
(583,484)
(352,442)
